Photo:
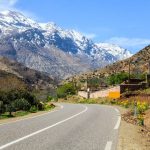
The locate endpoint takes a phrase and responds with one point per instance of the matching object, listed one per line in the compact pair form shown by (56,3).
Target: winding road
(71,127)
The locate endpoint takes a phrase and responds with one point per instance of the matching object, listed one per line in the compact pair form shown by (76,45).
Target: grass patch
(5,116)
(14,114)
(21,113)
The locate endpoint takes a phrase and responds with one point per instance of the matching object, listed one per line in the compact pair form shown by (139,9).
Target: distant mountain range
(51,49)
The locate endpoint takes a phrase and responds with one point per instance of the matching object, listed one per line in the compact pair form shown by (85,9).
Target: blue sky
(123,22)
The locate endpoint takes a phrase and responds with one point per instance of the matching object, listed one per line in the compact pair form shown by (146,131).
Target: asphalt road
(72,127)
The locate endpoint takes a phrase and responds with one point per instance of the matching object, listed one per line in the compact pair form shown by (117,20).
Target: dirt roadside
(131,137)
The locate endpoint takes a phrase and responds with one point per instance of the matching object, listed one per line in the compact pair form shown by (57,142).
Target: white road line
(108,145)
(42,130)
(49,112)
(118,123)
(117,110)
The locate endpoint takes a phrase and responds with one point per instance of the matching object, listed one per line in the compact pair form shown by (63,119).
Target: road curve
(73,127)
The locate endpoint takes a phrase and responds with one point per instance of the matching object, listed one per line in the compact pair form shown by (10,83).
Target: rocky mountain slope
(49,48)
(15,73)
(139,63)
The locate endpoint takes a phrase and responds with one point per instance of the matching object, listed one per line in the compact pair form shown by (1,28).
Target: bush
(66,89)
(10,108)
(33,109)
(41,106)
(140,120)
(48,106)
(16,100)
(49,98)
(125,103)
(2,107)
(29,97)
(117,78)
(22,104)
(93,83)
(142,107)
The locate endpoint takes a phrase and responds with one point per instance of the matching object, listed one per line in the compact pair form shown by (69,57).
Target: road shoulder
(130,136)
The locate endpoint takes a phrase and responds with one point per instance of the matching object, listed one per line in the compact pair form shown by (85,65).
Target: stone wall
(102,93)
(82,94)
(121,88)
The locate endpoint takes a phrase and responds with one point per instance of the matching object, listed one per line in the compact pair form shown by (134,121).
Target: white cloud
(123,41)
(7,4)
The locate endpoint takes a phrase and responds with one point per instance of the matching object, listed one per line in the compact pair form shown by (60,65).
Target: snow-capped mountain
(117,51)
(50,48)
(15,20)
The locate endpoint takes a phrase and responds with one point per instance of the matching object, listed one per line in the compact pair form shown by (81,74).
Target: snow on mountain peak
(84,44)
(5,12)
(75,35)
(50,26)
(115,50)
(12,19)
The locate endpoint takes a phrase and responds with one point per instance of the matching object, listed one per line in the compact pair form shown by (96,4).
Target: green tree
(10,108)
(16,100)
(2,107)
(22,104)
(117,78)
(93,83)
(66,89)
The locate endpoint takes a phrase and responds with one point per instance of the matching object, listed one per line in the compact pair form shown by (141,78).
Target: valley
(73,84)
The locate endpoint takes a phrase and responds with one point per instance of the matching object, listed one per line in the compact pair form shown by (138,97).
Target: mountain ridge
(38,46)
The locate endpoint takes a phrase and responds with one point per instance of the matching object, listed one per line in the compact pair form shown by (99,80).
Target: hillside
(139,63)
(15,75)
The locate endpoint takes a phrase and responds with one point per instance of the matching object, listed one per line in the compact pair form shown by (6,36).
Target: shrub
(16,100)
(33,109)
(48,106)
(49,98)
(41,106)
(22,104)
(2,107)
(117,78)
(55,98)
(66,89)
(141,120)
(10,108)
(125,103)
(113,101)
(82,101)
(28,96)
(141,107)
(93,83)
